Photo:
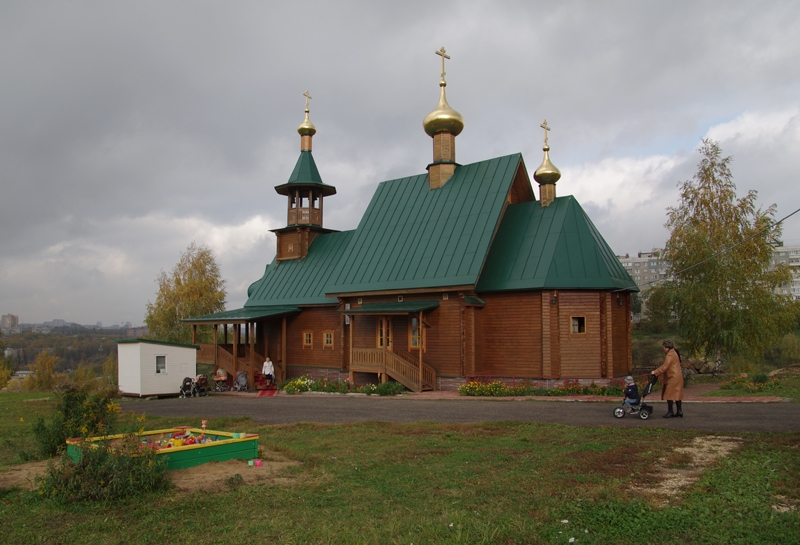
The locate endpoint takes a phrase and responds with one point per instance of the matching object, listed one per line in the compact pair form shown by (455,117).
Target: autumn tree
(42,379)
(193,288)
(721,285)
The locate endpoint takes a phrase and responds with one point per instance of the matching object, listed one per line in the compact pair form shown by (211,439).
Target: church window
(416,335)
(308,339)
(327,339)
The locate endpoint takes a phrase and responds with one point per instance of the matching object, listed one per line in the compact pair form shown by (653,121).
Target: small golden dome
(547,173)
(307,128)
(443,118)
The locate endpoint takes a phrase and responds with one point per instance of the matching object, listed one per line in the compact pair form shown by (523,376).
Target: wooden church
(456,273)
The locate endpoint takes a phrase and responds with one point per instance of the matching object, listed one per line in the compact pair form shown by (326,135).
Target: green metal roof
(474,301)
(556,246)
(414,237)
(243,314)
(152,341)
(304,281)
(400,307)
(305,174)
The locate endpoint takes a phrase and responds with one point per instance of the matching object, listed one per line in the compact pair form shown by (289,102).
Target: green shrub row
(569,387)
(306,384)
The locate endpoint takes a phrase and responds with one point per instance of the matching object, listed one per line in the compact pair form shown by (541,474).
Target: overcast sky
(129,129)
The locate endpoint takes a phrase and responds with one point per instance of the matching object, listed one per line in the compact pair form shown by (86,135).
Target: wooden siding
(314,320)
(621,320)
(580,352)
(521,190)
(511,335)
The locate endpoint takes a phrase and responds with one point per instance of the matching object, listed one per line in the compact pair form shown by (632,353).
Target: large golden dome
(547,173)
(443,118)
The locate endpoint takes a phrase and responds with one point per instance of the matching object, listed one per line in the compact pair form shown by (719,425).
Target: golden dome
(547,173)
(307,128)
(443,118)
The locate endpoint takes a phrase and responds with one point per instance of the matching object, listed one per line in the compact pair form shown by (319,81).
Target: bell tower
(304,192)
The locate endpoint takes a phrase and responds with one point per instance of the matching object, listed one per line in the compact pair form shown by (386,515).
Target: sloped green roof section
(551,247)
(415,237)
(305,173)
(243,314)
(399,307)
(301,282)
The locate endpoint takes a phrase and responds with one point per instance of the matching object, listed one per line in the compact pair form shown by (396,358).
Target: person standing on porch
(268,370)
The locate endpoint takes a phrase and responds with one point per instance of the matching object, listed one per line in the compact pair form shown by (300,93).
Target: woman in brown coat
(672,374)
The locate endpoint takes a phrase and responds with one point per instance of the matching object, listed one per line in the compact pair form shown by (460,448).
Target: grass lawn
(441,483)
(788,386)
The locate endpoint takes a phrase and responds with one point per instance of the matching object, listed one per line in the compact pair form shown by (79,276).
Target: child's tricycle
(641,408)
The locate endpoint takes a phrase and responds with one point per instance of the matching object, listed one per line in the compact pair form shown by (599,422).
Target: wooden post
(420,349)
(350,363)
(251,334)
(283,349)
(216,363)
(236,332)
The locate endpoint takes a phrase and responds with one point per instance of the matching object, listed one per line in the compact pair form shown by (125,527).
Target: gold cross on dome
(442,53)
(307,97)
(546,128)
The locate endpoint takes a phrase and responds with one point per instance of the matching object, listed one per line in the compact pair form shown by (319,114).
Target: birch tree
(194,287)
(720,250)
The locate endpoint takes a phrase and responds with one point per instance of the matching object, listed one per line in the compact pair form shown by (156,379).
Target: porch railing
(402,368)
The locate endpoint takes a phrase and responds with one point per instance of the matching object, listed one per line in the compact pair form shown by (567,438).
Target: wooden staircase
(400,365)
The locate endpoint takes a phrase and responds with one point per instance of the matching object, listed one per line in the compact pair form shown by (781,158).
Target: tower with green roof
(305,193)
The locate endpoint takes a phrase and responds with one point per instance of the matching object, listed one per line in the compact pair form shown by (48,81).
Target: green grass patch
(787,386)
(499,482)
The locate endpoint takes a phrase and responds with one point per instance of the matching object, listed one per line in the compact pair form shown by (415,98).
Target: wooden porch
(401,366)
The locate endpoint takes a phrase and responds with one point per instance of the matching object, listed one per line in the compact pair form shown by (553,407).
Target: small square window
(161,364)
(445,296)
(308,339)
(399,298)
(327,339)
(359,300)
(578,324)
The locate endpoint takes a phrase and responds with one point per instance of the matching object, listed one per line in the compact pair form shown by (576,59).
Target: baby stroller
(221,381)
(641,408)
(241,382)
(187,387)
(201,385)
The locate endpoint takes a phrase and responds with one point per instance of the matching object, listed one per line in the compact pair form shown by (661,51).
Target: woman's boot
(669,410)
(679,413)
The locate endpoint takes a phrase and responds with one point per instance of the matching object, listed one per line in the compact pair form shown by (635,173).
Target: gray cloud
(127,130)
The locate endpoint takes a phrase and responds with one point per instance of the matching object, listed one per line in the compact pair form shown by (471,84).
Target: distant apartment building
(7,321)
(648,270)
(789,255)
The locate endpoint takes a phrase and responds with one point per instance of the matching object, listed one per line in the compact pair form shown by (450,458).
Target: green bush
(79,412)
(105,474)
(497,388)
(390,388)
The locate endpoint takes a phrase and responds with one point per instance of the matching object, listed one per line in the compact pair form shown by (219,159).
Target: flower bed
(498,388)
